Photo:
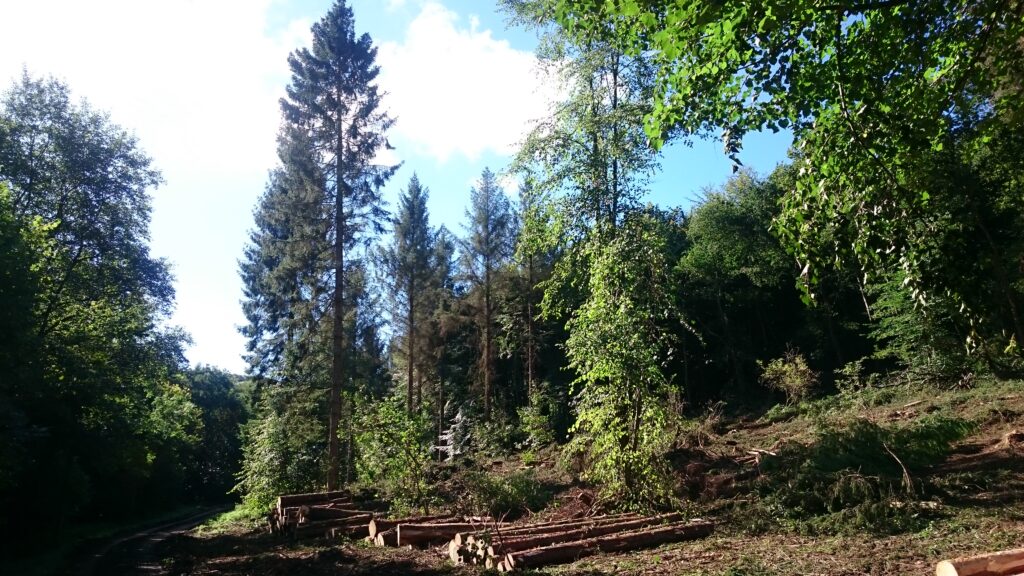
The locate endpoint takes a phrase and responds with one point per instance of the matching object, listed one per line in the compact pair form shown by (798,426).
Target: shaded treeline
(100,420)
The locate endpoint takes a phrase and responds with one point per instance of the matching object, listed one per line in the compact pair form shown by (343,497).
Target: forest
(574,326)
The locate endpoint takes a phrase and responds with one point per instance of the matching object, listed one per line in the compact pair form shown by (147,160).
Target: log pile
(317,514)
(483,541)
(423,531)
(535,545)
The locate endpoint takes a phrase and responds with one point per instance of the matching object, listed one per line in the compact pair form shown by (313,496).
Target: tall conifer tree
(408,274)
(333,100)
(487,248)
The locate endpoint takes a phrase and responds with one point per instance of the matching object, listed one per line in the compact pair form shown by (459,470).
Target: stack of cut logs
(509,546)
(482,541)
(535,545)
(321,514)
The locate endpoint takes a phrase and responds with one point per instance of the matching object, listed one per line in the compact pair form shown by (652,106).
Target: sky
(198,82)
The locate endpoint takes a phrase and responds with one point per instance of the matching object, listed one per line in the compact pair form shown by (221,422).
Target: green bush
(509,497)
(789,375)
(394,453)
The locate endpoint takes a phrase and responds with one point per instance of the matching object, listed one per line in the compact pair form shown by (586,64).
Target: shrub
(789,375)
(394,453)
(508,497)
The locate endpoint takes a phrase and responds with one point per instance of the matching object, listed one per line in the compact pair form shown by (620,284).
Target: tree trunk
(410,339)
(570,551)
(338,328)
(531,352)
(487,342)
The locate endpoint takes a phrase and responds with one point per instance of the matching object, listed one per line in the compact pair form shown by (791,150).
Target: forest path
(134,554)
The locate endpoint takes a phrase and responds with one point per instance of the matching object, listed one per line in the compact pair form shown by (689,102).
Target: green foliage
(394,453)
(789,375)
(94,417)
(616,341)
(486,249)
(282,447)
(508,496)
(219,450)
(241,515)
(409,275)
(905,122)
(311,319)
(858,476)
(536,418)
(495,438)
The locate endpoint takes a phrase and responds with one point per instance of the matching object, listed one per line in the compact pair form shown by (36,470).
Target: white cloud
(458,90)
(198,83)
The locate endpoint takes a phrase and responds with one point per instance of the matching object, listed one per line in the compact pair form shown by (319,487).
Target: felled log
(427,534)
(313,513)
(559,526)
(1004,563)
(518,530)
(324,527)
(386,538)
(381,524)
(289,500)
(504,545)
(570,551)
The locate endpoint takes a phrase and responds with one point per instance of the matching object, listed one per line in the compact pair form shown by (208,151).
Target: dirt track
(133,555)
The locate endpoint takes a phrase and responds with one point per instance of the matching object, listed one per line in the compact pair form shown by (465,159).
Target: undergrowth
(241,516)
(854,477)
(508,497)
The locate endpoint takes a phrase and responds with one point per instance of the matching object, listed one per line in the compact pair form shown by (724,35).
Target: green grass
(240,517)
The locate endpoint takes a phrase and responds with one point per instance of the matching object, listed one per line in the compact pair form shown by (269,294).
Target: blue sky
(198,82)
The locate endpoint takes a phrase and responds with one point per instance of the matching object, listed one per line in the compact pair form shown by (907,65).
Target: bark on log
(1003,563)
(514,531)
(570,551)
(381,524)
(520,530)
(315,513)
(425,534)
(499,547)
(323,527)
(386,538)
(288,500)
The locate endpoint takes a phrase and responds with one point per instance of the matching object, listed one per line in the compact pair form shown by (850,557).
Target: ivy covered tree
(619,343)
(610,285)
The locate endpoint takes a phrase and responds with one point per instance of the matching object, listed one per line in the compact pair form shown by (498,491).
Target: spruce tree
(488,247)
(333,112)
(408,275)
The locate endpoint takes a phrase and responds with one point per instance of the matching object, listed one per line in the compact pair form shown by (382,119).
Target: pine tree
(487,248)
(408,275)
(333,130)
